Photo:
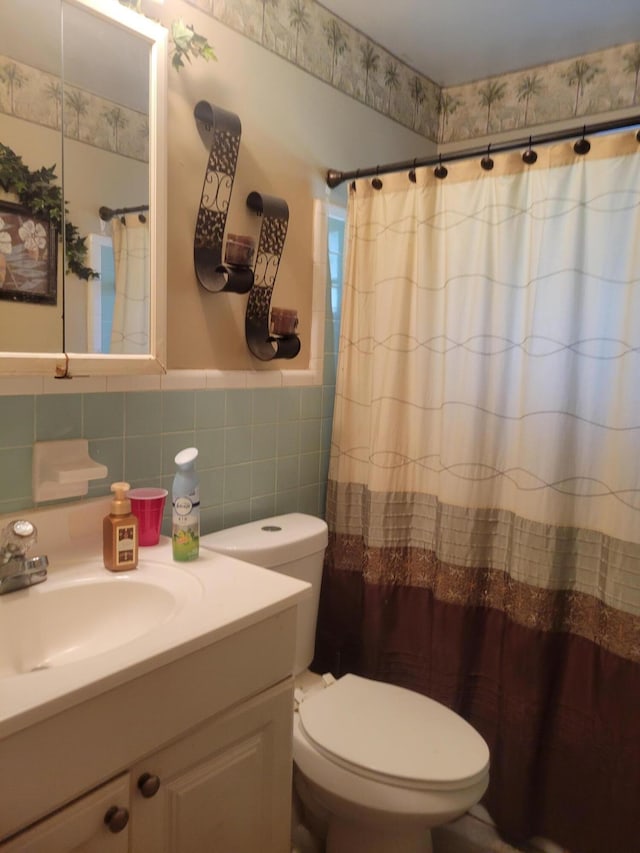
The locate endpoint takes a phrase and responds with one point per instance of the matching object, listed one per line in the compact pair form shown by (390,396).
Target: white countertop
(224,596)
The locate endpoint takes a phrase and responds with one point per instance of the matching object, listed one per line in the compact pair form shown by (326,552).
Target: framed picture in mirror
(28,255)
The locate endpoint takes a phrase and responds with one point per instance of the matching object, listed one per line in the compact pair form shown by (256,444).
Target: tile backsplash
(262,450)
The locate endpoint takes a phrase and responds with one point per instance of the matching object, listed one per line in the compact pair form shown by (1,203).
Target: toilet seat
(394,736)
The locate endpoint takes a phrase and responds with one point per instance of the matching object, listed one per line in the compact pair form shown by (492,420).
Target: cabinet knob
(116,818)
(149,785)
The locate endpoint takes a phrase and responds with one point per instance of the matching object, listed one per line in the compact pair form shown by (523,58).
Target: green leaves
(187,43)
(38,192)
(136,5)
(76,249)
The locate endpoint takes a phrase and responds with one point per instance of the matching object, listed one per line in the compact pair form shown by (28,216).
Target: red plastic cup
(147,504)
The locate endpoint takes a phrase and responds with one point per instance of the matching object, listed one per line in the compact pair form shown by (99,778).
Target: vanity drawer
(81,825)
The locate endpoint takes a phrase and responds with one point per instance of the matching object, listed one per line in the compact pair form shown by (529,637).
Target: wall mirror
(83,90)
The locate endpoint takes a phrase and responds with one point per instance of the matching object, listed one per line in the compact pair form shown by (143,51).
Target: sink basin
(85,612)
(86,631)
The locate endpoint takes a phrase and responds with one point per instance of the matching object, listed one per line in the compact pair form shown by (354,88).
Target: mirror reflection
(30,122)
(74,92)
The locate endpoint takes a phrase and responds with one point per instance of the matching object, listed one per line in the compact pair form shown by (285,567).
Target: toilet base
(344,837)
(347,834)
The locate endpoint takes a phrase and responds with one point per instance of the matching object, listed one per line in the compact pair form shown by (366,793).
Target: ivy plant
(39,192)
(185,42)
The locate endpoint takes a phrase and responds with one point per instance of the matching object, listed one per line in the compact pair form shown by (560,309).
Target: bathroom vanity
(161,719)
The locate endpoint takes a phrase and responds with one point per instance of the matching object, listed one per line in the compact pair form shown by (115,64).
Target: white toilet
(376,766)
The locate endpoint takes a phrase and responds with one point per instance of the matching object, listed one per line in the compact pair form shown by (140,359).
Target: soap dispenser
(120,532)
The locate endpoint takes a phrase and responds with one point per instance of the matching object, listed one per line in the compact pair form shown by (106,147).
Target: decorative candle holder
(239,250)
(284,321)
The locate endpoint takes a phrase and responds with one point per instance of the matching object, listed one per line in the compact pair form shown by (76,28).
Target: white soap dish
(62,469)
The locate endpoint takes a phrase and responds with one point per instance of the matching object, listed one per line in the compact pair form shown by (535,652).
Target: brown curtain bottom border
(551,610)
(558,711)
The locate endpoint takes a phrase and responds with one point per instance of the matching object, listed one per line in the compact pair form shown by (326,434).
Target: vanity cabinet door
(96,823)
(224,788)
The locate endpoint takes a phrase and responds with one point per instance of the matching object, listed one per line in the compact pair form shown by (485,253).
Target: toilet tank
(292,544)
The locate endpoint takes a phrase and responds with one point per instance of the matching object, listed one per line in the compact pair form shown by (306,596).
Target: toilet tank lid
(271,541)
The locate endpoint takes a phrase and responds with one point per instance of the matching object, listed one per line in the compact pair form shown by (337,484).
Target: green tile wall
(262,451)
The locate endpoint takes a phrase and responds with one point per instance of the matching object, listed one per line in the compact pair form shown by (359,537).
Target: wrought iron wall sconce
(225,130)
(275,220)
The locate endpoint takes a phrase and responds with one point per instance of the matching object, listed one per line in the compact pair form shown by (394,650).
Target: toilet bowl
(376,766)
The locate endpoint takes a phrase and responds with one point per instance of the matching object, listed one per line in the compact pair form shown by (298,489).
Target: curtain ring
(582,146)
(440,171)
(376,183)
(142,218)
(638,136)
(487,162)
(529,156)
(412,173)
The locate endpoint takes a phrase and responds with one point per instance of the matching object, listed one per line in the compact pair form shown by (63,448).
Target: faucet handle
(16,539)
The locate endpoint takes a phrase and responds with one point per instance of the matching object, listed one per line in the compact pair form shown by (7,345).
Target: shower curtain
(130,329)
(484,482)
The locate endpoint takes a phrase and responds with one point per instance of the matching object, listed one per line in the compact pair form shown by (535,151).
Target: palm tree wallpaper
(306,34)
(36,96)
(311,37)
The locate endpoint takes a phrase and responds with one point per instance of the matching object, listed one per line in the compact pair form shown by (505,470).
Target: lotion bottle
(120,532)
(185,494)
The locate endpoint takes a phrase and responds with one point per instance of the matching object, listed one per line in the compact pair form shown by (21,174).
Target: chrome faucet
(18,571)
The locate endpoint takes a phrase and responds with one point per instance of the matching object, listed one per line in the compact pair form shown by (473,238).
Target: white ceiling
(459,41)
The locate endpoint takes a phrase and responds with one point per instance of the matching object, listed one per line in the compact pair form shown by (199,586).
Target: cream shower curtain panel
(484,485)
(130,329)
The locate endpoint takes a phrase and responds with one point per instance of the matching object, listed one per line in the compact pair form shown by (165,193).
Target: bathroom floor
(475,833)
(469,834)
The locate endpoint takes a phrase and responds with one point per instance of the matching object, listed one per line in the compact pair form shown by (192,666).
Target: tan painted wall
(294,127)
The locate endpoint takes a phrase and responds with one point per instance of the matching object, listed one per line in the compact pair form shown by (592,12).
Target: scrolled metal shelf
(225,130)
(273,231)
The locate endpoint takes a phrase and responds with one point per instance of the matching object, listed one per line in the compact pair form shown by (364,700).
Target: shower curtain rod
(335,177)
(107,213)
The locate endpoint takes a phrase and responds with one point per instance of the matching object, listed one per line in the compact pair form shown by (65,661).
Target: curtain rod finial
(334,178)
